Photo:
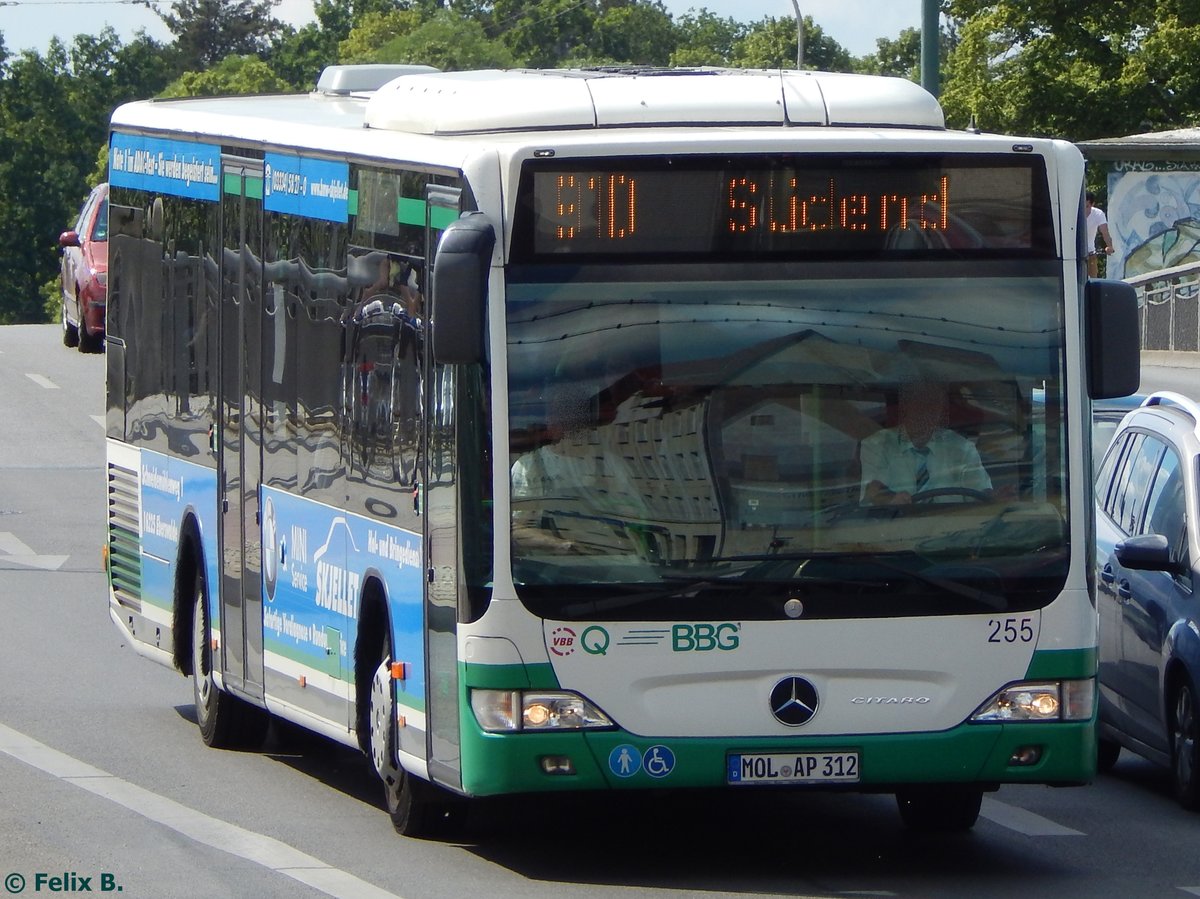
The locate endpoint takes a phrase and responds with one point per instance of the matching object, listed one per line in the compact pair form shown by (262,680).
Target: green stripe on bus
(412,212)
(1062,663)
(233,186)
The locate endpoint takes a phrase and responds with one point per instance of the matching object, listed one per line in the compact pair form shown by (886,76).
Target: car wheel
(70,332)
(225,721)
(87,343)
(1185,743)
(941,808)
(1107,753)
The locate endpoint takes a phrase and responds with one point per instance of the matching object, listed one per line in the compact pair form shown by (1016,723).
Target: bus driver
(920,454)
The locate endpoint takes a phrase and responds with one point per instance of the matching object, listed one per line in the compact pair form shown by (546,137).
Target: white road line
(99,419)
(41,380)
(254,847)
(1195,891)
(1023,821)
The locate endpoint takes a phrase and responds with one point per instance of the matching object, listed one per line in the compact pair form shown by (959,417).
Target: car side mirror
(68,239)
(1146,552)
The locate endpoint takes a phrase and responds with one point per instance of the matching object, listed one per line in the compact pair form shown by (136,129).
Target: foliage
(772,43)
(374,31)
(207,31)
(447,42)
(1076,71)
(54,113)
(232,75)
(705,39)
(1043,67)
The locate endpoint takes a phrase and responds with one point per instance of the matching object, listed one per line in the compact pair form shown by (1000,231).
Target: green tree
(54,112)
(1076,71)
(207,31)
(447,42)
(232,75)
(638,33)
(705,39)
(541,33)
(374,31)
(771,44)
(901,57)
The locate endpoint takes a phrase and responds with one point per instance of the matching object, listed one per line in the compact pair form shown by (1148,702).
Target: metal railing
(1167,304)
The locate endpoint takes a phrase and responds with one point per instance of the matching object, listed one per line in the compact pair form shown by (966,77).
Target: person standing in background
(1097,224)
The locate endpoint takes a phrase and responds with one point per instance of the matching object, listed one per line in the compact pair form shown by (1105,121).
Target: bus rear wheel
(225,721)
(417,808)
(941,808)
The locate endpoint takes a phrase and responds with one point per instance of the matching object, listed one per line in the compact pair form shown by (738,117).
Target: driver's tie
(922,477)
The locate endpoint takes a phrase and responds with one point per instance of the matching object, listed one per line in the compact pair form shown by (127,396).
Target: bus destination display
(771,206)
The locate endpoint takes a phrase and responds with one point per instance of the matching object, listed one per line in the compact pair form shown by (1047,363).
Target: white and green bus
(508,425)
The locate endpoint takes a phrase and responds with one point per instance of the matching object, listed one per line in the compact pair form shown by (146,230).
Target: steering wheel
(966,493)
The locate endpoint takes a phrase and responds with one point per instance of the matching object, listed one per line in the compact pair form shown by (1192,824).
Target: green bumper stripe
(1062,664)
(495,764)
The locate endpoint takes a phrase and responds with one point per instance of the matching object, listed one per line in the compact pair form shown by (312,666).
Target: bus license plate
(792,768)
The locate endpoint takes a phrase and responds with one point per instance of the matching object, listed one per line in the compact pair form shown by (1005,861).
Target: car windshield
(687,448)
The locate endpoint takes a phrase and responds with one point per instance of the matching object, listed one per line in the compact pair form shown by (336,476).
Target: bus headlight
(1069,700)
(514,710)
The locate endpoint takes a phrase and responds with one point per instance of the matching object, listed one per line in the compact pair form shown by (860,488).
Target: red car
(85,274)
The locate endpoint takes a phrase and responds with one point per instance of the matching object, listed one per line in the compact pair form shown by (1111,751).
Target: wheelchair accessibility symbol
(659,761)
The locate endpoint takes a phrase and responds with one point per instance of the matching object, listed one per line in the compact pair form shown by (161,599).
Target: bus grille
(124,536)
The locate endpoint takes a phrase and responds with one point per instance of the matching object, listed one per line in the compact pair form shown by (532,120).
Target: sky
(855,24)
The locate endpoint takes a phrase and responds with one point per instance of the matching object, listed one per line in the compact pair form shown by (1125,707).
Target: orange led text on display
(782,207)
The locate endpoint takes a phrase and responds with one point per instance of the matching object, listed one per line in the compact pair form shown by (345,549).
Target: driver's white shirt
(888,456)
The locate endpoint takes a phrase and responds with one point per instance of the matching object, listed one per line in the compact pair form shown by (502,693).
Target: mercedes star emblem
(794,701)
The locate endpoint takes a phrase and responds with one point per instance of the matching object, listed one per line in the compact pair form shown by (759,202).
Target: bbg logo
(704,637)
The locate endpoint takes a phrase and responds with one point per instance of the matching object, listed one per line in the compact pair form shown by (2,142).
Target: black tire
(1107,753)
(417,808)
(87,343)
(225,721)
(70,332)
(1185,745)
(940,808)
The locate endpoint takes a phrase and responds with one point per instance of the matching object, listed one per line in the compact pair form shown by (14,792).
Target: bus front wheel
(417,808)
(943,807)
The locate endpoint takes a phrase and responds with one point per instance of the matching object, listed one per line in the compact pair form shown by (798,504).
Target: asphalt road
(103,775)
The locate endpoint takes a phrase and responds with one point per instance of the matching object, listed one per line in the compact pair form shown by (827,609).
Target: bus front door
(241,427)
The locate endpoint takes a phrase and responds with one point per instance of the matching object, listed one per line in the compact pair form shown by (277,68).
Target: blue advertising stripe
(301,185)
(180,168)
(316,560)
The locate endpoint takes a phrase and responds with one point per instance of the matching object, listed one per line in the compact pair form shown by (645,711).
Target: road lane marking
(41,380)
(99,419)
(13,550)
(247,844)
(1023,821)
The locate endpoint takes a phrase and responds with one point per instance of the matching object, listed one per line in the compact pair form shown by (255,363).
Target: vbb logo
(562,641)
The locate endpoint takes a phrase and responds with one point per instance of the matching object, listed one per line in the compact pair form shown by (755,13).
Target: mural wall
(1153,216)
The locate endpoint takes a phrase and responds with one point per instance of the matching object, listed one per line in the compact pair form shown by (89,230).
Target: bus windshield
(721,441)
